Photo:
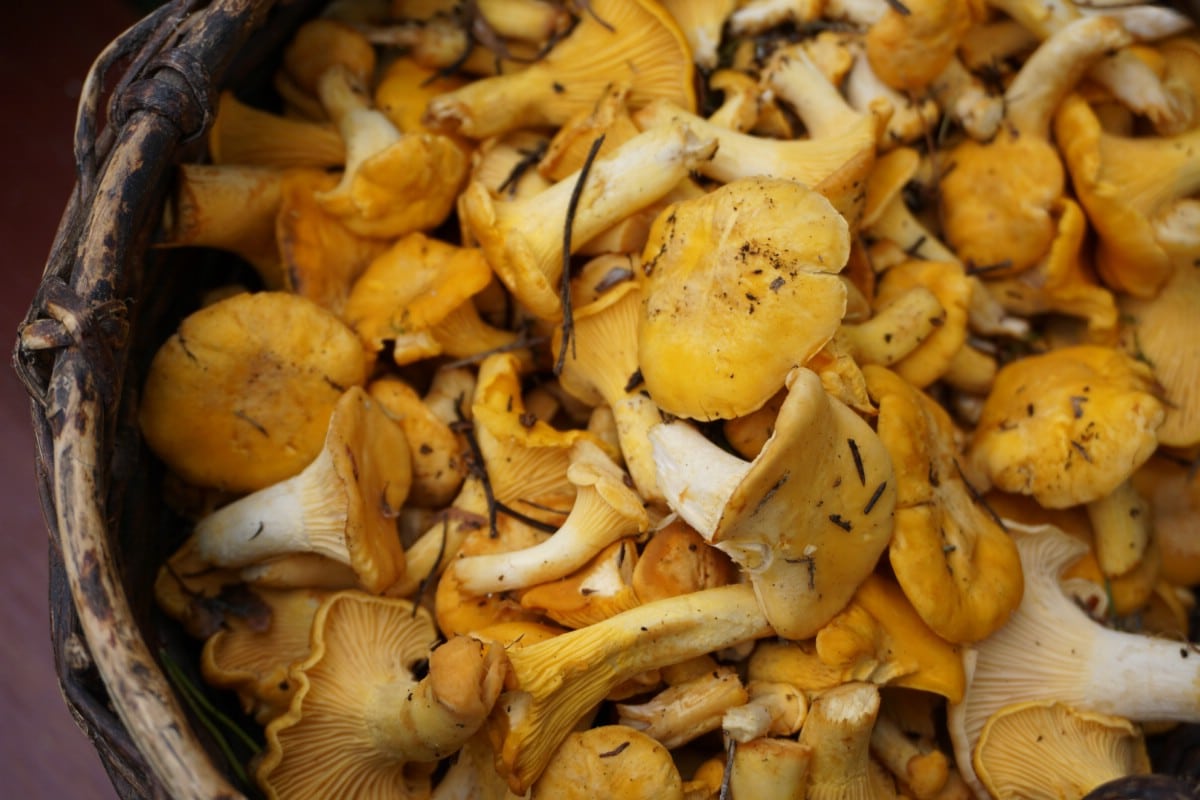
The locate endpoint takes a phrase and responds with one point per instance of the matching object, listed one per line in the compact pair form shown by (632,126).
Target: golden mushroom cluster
(743,398)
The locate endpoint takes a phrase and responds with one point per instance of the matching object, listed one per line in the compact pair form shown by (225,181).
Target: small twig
(477,466)
(568,324)
(425,583)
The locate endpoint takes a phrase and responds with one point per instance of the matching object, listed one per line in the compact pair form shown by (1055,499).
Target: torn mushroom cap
(807,519)
(997,199)
(1124,184)
(393,183)
(752,264)
(610,761)
(616,41)
(240,396)
(523,239)
(955,563)
(555,684)
(251,654)
(342,505)
(1067,426)
(1048,749)
(1052,650)
(409,290)
(361,724)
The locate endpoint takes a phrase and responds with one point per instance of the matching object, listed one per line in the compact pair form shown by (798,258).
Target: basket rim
(72,354)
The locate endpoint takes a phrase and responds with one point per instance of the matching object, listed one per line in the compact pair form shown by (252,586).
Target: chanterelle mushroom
(361,723)
(1068,426)
(341,506)
(753,265)
(611,761)
(807,519)
(240,396)
(955,563)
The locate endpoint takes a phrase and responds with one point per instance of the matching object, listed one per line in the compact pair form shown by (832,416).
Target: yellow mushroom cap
(610,761)
(1068,426)
(740,285)
(240,396)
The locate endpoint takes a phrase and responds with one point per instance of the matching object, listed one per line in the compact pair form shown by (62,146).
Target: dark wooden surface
(46,47)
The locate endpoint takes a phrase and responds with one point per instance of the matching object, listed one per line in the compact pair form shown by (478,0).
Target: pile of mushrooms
(688,400)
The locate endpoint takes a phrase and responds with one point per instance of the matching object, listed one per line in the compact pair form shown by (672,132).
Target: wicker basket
(106,300)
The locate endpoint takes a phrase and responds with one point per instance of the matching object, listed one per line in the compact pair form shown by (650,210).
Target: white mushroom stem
(695,475)
(1050,649)
(605,511)
(757,16)
(924,770)
(303,514)
(560,680)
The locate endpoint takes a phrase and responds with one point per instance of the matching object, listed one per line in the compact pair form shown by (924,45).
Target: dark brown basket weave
(105,298)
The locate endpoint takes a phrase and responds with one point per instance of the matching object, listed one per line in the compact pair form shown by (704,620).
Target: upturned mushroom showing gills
(341,506)
(362,723)
(1052,650)
(240,396)
(807,519)
(754,265)
(634,42)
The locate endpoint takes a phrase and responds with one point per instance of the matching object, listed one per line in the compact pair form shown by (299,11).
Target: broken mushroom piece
(686,711)
(955,563)
(807,519)
(240,396)
(1047,749)
(755,264)
(361,723)
(342,505)
(1050,649)
(556,683)
(838,729)
(769,768)
(609,762)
